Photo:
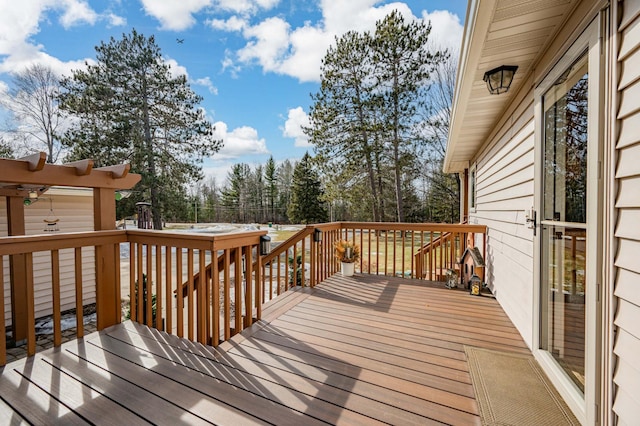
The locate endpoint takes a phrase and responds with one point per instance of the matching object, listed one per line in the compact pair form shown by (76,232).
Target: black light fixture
(317,235)
(499,79)
(265,245)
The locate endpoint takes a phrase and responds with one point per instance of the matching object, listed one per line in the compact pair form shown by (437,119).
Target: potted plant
(347,252)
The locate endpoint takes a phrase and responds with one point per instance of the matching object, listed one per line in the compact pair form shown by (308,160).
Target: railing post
(104,218)
(18,267)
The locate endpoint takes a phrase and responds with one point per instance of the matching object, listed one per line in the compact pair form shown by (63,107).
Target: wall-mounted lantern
(499,79)
(265,245)
(317,235)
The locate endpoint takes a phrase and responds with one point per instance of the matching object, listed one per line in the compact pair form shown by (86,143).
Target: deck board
(359,350)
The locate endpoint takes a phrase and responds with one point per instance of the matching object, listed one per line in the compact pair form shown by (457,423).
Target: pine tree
(234,196)
(271,178)
(403,64)
(131,109)
(306,204)
(343,120)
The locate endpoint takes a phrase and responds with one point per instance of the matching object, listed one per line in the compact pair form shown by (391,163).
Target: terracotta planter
(347,269)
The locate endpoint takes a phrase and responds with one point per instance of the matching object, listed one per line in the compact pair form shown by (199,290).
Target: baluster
(215,275)
(202,300)
(148,291)
(431,255)
(303,256)
(238,291)
(258,283)
(227,298)
(132,279)
(168,291)
(116,258)
(179,294)
(158,293)
(55,289)
(139,284)
(190,309)
(79,307)
(248,287)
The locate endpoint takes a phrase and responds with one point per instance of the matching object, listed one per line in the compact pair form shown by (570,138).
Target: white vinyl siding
(505,188)
(626,403)
(74,208)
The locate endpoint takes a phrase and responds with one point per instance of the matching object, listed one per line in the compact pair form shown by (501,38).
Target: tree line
(378,126)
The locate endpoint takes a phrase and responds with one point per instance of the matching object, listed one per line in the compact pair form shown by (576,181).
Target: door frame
(592,41)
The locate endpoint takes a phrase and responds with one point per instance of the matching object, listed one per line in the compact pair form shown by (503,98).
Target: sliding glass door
(564,221)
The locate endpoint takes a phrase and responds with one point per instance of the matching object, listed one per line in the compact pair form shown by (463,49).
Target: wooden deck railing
(207,288)
(212,309)
(20,250)
(222,296)
(423,251)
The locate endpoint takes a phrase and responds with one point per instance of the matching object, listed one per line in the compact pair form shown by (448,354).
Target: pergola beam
(20,172)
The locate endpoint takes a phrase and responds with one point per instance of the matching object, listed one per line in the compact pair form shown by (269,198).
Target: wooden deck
(361,350)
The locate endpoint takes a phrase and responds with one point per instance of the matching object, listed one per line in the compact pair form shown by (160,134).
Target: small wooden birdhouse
(471,263)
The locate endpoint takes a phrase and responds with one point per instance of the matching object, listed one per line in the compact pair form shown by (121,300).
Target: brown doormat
(512,389)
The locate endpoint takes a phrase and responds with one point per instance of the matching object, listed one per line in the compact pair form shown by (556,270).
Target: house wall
(504,193)
(74,208)
(627,230)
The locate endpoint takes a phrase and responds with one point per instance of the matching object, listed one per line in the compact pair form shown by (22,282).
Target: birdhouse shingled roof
(475,254)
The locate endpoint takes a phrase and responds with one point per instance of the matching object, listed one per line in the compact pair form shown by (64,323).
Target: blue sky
(255,62)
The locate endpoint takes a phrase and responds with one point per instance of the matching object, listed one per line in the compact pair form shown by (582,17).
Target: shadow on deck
(361,350)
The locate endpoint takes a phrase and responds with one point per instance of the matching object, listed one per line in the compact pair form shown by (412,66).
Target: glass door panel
(564,221)
(565,250)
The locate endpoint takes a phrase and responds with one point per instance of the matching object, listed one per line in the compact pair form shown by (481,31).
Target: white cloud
(115,20)
(296,119)
(269,42)
(206,82)
(246,6)
(174,15)
(19,21)
(219,169)
(77,12)
(298,52)
(305,58)
(175,68)
(446,29)
(232,24)
(240,141)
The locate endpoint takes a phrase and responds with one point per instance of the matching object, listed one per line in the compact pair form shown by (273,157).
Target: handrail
(426,247)
(20,244)
(287,244)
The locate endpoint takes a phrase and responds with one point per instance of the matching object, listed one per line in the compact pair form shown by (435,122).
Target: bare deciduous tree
(33,102)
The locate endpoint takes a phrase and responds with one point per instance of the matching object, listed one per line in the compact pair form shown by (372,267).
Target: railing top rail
(45,242)
(195,240)
(404,226)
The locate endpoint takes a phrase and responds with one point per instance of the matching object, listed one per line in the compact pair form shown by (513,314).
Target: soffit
(497,32)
